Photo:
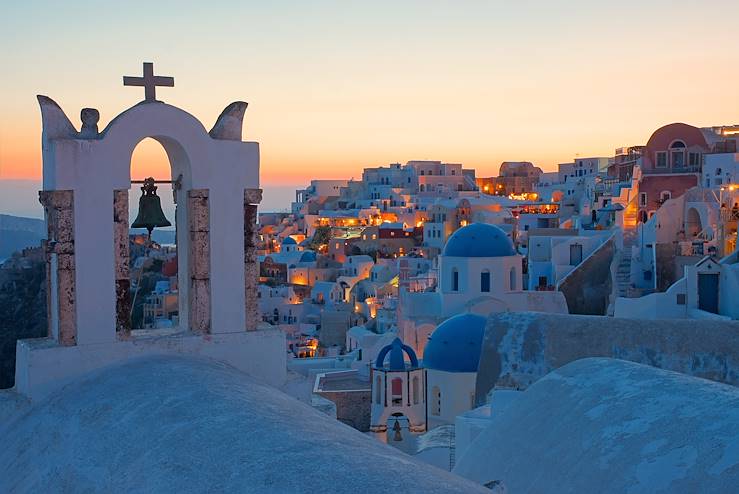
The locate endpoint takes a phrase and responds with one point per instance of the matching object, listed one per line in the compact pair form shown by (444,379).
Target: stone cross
(149,81)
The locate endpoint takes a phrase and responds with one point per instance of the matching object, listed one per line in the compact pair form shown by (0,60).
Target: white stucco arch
(94,165)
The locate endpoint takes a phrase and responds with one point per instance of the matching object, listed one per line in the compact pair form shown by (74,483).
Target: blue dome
(479,240)
(308,256)
(289,241)
(397,360)
(456,344)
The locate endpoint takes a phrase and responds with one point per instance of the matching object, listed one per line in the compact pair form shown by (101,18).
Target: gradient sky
(335,86)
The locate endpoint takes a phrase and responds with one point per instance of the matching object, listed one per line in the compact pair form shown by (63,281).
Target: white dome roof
(174,424)
(611,426)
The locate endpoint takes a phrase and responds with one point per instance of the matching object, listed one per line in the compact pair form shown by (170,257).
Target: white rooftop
(172,424)
(611,426)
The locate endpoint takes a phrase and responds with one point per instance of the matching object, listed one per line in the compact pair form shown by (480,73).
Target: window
(485,281)
(662,159)
(694,159)
(678,159)
(455,280)
(397,391)
(542,281)
(665,195)
(378,390)
(415,387)
(512,279)
(642,199)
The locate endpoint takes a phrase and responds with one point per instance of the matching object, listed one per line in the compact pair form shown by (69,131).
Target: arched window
(665,195)
(677,154)
(435,401)
(485,281)
(455,280)
(378,390)
(512,279)
(397,389)
(414,387)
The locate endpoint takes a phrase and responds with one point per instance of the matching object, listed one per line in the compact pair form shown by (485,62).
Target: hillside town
(408,246)
(375,280)
(469,330)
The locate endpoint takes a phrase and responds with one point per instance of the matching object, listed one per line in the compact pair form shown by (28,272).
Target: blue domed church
(479,273)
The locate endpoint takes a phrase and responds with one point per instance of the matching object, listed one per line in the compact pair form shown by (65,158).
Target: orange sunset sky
(337,86)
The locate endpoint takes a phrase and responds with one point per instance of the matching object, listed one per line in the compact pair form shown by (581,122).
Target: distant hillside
(17,233)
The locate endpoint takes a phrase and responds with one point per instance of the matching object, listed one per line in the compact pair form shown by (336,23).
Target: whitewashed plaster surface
(606,425)
(43,367)
(520,348)
(94,168)
(179,424)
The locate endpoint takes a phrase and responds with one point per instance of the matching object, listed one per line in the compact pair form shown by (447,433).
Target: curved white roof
(172,424)
(611,426)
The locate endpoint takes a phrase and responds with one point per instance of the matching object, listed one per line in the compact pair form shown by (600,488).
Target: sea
(20,198)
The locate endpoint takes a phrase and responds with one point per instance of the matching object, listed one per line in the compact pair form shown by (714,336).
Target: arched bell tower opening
(152,300)
(138,305)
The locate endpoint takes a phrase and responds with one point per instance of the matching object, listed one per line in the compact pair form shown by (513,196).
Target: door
(708,292)
(575,254)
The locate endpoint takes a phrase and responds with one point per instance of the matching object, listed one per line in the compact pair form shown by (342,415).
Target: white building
(719,170)
(707,291)
(478,271)
(553,254)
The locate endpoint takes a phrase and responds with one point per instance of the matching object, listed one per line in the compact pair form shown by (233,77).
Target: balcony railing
(668,170)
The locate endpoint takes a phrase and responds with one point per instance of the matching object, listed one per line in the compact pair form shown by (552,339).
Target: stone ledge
(42,366)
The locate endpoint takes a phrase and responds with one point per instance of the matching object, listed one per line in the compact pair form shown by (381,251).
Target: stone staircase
(630,216)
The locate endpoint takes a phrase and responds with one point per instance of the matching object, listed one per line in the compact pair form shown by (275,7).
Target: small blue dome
(397,360)
(479,240)
(308,256)
(456,344)
(289,241)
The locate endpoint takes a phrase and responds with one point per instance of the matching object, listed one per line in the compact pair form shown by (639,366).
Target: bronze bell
(396,428)
(150,208)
